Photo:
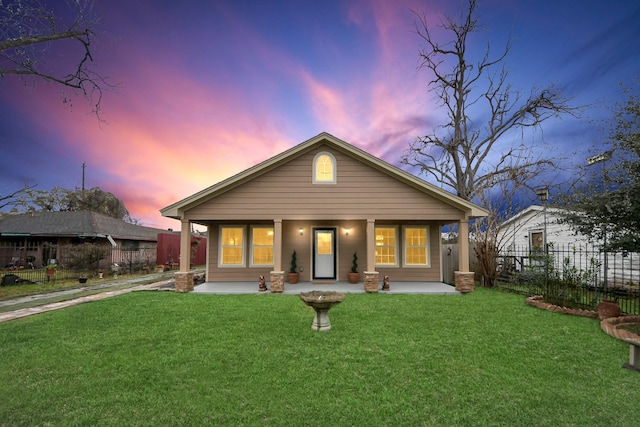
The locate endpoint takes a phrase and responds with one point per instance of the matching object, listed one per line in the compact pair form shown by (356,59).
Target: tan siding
(429,274)
(360,192)
(346,246)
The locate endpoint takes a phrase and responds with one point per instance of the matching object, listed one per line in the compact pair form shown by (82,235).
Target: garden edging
(537,301)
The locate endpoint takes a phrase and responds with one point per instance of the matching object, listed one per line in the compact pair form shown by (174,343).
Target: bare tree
(463,154)
(30,30)
(12,198)
(473,152)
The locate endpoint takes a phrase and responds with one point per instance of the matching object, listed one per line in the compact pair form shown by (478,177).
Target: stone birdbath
(321,301)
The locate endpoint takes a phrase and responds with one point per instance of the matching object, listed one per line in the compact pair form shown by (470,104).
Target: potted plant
(353,275)
(293,274)
(51,269)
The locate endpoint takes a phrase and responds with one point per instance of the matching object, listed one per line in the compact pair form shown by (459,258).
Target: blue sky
(205,91)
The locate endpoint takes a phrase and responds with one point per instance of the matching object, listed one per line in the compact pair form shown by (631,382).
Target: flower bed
(537,301)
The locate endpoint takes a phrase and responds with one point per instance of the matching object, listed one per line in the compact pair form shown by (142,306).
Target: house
(522,240)
(527,229)
(36,239)
(326,200)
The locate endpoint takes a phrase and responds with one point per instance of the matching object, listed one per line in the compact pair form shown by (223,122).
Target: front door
(324,253)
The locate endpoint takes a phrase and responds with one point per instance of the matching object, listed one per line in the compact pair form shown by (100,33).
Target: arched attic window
(324,169)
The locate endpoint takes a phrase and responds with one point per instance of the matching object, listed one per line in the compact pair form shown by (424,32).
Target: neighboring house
(527,228)
(35,239)
(522,237)
(326,200)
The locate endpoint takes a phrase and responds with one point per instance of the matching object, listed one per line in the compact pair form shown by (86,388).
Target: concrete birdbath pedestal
(321,301)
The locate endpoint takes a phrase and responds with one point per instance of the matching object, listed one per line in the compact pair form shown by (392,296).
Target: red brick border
(537,301)
(611,327)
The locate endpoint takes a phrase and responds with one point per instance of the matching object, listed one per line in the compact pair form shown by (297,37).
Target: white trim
(244,246)
(333,166)
(251,246)
(404,247)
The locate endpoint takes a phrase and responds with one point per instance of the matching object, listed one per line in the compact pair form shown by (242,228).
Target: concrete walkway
(24,312)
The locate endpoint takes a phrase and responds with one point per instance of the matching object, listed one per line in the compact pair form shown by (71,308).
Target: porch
(433,288)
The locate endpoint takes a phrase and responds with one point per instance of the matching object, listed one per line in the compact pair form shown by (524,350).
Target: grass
(62,282)
(159,358)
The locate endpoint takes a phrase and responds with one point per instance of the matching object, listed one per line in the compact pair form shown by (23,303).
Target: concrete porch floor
(434,288)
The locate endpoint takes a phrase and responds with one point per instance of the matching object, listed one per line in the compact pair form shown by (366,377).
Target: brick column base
(464,281)
(277,281)
(371,281)
(184,281)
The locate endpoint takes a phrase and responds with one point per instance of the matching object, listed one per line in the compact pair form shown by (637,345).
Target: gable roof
(82,224)
(176,210)
(532,211)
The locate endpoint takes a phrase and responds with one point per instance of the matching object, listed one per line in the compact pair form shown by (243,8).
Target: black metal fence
(80,261)
(572,275)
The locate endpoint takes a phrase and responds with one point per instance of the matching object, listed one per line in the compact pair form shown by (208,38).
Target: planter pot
(82,279)
(353,278)
(608,308)
(293,278)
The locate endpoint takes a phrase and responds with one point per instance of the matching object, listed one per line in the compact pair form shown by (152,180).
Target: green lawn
(159,358)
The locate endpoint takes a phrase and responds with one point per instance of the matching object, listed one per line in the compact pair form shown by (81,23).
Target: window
(232,246)
(262,246)
(386,246)
(536,241)
(130,245)
(416,248)
(324,169)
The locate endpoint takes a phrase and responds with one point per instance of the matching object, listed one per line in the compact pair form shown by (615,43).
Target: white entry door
(324,253)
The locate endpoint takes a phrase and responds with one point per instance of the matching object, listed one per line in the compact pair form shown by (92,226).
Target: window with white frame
(386,246)
(232,246)
(262,245)
(416,246)
(324,169)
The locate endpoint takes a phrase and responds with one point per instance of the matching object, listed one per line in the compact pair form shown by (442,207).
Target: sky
(204,90)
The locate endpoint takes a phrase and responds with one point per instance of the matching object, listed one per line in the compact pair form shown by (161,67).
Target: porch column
(370,275)
(464,280)
(371,245)
(277,244)
(185,245)
(463,244)
(184,278)
(277,275)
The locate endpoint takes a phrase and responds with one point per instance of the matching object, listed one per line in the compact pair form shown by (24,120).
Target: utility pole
(543,195)
(83,167)
(602,158)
